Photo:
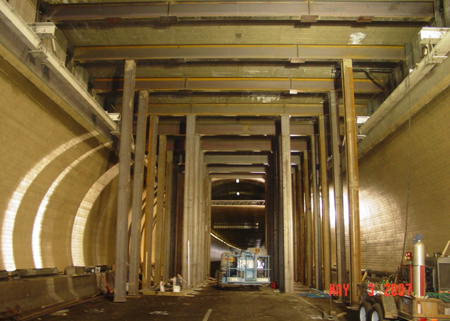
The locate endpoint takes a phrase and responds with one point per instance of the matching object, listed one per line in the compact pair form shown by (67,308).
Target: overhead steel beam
(247,144)
(238,203)
(245,109)
(224,126)
(319,85)
(293,53)
(240,176)
(305,11)
(236,159)
(236,169)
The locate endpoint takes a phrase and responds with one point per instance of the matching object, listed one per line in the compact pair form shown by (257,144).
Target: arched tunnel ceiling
(240,225)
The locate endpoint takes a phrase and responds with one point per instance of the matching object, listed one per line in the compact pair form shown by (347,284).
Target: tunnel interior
(238,215)
(152,140)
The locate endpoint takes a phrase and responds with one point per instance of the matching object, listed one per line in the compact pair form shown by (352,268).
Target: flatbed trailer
(379,305)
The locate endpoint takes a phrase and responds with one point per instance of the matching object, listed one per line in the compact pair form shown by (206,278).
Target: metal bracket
(168,20)
(37,53)
(365,19)
(309,18)
(45,30)
(114,20)
(297,60)
(436,60)
(115,116)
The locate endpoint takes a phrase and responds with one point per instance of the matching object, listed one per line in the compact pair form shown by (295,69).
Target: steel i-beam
(325,203)
(138,184)
(353,178)
(308,220)
(316,213)
(188,205)
(160,213)
(123,205)
(338,191)
(148,237)
(288,221)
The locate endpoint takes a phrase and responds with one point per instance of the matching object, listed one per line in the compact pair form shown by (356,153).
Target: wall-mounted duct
(410,96)
(26,51)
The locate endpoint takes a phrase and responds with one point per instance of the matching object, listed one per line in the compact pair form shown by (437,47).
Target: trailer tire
(219,278)
(364,310)
(376,313)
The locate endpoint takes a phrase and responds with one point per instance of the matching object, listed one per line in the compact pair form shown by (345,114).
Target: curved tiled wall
(54,174)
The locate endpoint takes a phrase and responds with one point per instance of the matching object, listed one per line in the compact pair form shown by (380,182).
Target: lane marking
(207,315)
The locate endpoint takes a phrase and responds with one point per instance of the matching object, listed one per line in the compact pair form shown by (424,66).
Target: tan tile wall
(32,127)
(384,188)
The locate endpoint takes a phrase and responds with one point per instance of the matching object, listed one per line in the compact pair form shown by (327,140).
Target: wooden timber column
(138,184)
(288,220)
(151,169)
(123,205)
(353,177)
(189,202)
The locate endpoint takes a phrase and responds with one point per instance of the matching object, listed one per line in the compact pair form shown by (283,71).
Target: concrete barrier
(36,294)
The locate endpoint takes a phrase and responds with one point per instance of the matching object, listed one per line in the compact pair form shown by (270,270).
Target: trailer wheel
(364,309)
(219,278)
(376,314)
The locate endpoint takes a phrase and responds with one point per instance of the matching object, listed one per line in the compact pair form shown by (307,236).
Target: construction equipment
(419,291)
(246,267)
